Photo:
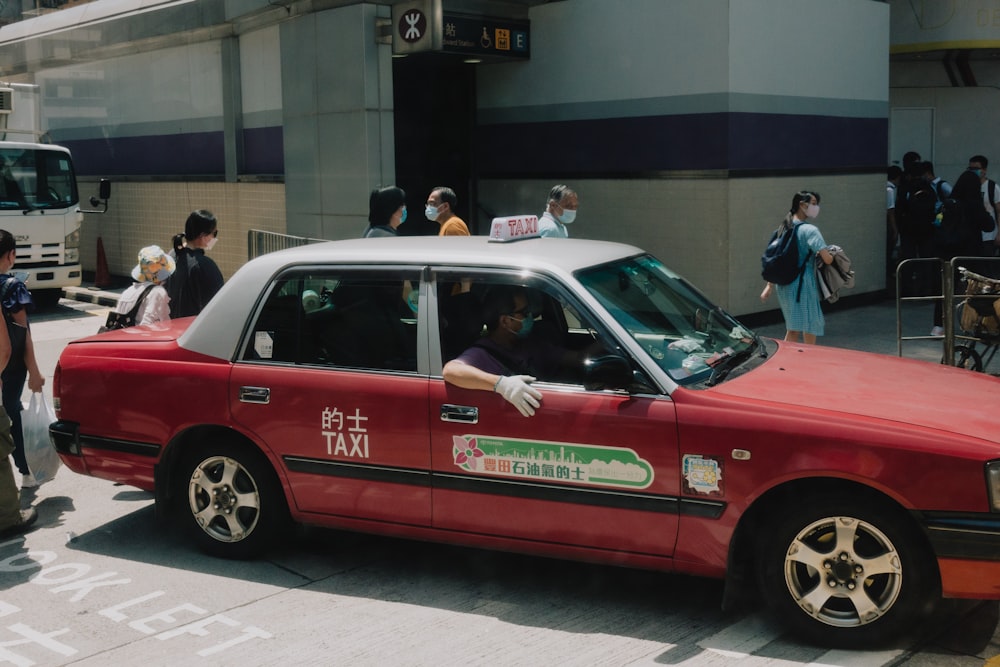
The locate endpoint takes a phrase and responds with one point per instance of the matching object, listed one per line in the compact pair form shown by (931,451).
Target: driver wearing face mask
(559,212)
(508,359)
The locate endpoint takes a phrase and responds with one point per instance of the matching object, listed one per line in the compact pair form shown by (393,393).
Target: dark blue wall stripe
(730,141)
(263,150)
(199,153)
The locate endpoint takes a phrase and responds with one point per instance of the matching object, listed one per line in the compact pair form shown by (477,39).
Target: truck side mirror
(104,193)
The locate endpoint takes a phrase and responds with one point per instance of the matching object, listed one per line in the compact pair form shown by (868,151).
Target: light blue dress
(804,315)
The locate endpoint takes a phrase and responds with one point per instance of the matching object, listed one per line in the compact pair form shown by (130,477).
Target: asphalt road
(102,582)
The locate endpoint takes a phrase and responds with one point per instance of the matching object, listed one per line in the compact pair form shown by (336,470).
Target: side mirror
(104,193)
(607,371)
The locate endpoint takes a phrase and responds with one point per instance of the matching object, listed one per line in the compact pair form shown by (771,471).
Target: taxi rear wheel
(847,572)
(230,502)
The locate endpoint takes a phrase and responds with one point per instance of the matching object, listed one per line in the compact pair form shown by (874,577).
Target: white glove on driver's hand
(519,393)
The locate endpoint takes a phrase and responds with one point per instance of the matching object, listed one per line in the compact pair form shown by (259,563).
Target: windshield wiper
(725,365)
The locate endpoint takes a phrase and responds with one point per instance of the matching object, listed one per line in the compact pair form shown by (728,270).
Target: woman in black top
(197,278)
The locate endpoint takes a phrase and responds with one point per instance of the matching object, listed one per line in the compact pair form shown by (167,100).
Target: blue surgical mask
(431,212)
(526,324)
(977,172)
(568,216)
(403,218)
(413,301)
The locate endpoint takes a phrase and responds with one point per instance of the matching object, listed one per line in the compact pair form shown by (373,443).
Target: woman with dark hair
(800,300)
(15,301)
(196,278)
(958,229)
(386,211)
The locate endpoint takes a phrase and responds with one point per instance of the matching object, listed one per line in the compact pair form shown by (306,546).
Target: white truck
(39,199)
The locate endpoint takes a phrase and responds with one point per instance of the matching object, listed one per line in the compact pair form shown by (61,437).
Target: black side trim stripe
(645,502)
(358,471)
(964,535)
(125,446)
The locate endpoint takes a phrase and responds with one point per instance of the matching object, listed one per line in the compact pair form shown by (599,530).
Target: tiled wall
(141,214)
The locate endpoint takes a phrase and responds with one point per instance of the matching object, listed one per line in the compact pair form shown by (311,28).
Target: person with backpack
(958,228)
(799,298)
(146,299)
(991,202)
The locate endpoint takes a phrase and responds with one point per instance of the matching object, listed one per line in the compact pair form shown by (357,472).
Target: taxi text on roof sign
(514,228)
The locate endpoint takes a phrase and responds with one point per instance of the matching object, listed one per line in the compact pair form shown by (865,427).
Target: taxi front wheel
(231,504)
(847,572)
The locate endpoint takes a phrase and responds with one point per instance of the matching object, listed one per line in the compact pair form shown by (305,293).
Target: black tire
(229,501)
(847,571)
(968,358)
(46,298)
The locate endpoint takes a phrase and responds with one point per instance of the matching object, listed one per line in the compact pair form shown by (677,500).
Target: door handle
(255,395)
(459,413)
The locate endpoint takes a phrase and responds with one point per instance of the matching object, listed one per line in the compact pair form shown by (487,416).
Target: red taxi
(849,491)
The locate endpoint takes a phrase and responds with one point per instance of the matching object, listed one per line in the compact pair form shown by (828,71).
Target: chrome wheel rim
(843,572)
(224,498)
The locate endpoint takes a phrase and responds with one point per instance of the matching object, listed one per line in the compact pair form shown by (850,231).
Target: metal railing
(260,242)
(937,276)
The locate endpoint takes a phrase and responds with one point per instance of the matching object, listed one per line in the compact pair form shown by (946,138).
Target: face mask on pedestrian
(431,212)
(977,172)
(567,217)
(812,211)
(402,218)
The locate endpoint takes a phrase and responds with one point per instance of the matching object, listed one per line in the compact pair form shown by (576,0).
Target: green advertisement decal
(552,461)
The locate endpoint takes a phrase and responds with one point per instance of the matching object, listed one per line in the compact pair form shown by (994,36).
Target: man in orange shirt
(441,209)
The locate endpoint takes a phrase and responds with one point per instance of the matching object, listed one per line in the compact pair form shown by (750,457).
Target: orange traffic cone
(101,277)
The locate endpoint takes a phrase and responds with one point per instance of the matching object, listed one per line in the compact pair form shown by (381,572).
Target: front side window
(553,338)
(684,333)
(36,179)
(338,317)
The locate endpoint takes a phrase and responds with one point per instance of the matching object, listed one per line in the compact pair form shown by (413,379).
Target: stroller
(980,322)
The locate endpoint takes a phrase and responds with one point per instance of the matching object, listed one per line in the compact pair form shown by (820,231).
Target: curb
(89,295)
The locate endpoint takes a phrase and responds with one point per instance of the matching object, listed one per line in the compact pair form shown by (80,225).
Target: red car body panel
(651,480)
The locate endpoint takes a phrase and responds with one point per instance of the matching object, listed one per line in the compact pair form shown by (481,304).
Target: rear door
(591,468)
(328,381)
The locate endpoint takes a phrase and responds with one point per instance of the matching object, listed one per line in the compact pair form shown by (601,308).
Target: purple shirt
(534,358)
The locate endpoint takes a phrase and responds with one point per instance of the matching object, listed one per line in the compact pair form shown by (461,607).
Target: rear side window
(341,318)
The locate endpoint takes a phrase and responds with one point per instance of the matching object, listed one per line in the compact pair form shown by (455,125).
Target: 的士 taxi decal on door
(562,462)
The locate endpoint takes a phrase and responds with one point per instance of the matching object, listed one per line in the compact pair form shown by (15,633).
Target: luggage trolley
(979,315)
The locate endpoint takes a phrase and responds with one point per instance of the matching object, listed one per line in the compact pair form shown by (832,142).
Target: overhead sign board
(484,36)
(421,25)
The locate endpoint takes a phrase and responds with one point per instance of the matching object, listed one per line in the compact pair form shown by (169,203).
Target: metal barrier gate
(938,276)
(260,242)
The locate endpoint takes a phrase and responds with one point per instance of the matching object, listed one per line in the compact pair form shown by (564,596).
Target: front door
(595,469)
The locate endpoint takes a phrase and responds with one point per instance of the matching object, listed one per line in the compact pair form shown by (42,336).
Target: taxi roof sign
(514,228)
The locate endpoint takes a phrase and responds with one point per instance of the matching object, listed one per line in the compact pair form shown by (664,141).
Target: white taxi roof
(217,330)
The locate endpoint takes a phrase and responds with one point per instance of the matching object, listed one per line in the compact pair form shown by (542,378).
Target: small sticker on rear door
(263,344)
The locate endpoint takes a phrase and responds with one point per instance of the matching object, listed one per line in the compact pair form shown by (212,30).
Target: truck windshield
(685,334)
(33,178)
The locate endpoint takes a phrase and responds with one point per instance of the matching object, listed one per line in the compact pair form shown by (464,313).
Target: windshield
(36,179)
(683,332)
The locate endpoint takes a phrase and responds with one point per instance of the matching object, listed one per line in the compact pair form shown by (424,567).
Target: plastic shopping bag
(43,461)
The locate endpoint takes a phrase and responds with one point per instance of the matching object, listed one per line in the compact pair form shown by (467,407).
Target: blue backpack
(780,262)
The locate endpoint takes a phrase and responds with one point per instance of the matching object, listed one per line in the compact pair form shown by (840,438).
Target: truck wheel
(847,572)
(230,502)
(46,298)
